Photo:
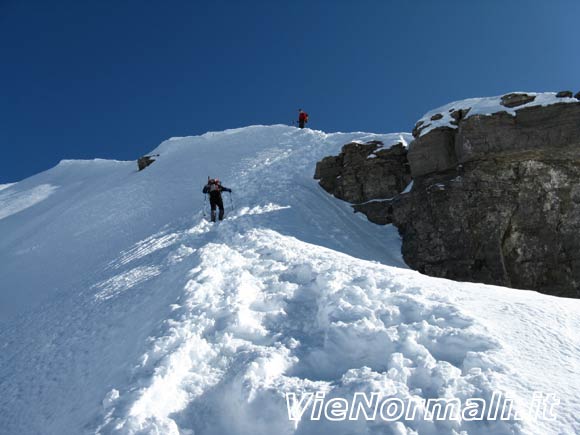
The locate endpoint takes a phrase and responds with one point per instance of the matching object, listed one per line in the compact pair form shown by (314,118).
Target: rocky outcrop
(433,152)
(495,198)
(498,201)
(538,130)
(366,174)
(143,162)
(513,221)
(516,99)
(365,171)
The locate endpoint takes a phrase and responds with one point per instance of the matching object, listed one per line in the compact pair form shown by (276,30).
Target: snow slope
(124,311)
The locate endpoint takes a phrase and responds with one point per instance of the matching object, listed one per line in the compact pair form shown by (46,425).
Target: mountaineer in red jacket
(302,118)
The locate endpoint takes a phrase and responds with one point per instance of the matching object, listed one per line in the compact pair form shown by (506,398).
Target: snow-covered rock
(445,116)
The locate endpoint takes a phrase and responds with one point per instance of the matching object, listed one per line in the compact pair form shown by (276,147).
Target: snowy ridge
(161,322)
(6,186)
(484,106)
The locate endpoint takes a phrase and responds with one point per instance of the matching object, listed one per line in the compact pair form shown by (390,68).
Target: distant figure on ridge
(214,188)
(302,118)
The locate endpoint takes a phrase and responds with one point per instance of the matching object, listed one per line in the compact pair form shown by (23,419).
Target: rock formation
(366,175)
(143,162)
(495,197)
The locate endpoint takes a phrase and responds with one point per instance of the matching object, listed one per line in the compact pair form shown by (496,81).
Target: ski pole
(231,202)
(204,204)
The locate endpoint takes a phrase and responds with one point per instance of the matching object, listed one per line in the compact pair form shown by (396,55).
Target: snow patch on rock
(441,116)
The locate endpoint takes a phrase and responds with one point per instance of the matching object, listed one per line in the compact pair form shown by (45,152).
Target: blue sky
(112,79)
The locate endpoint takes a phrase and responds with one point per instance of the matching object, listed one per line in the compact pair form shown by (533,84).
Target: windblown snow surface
(124,311)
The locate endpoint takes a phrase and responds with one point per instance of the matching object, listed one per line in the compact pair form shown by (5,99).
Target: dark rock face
(433,152)
(514,222)
(378,212)
(365,172)
(545,132)
(496,200)
(564,94)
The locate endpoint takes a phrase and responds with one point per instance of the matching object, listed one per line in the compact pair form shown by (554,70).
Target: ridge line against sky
(114,79)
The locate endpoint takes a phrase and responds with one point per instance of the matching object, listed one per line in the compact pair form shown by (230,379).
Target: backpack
(214,185)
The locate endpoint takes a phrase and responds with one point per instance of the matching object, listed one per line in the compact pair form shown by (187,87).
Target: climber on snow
(302,118)
(214,188)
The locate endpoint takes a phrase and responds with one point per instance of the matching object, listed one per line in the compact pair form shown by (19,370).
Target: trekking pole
(231,202)
(204,204)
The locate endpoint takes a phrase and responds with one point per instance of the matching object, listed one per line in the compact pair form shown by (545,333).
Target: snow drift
(124,311)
